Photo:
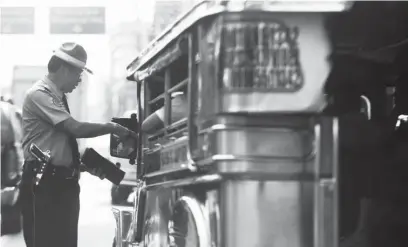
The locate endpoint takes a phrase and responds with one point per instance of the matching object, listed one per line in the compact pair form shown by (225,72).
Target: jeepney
(254,162)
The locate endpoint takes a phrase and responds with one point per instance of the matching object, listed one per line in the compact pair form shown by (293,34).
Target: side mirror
(125,149)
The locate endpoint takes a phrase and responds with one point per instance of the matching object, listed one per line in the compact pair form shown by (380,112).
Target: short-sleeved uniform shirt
(43,110)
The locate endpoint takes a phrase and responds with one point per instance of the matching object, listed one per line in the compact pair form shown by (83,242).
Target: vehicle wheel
(11,221)
(186,227)
(119,194)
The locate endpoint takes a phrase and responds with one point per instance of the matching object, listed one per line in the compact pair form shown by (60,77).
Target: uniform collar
(51,85)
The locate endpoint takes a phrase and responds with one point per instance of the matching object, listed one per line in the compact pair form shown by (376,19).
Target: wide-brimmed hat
(73,54)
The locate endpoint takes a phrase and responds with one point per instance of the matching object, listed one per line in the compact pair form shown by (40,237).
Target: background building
(126,42)
(166,12)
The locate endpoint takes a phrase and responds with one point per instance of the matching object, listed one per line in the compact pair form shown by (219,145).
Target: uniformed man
(51,209)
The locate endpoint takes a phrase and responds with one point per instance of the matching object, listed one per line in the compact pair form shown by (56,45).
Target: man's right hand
(122,132)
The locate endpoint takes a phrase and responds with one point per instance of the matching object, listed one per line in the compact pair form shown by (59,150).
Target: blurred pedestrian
(51,209)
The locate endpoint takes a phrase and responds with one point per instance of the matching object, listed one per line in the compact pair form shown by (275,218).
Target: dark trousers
(50,211)
(387,223)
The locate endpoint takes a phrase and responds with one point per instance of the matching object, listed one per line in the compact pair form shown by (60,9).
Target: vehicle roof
(208,8)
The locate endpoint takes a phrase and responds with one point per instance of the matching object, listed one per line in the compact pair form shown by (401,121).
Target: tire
(119,194)
(11,221)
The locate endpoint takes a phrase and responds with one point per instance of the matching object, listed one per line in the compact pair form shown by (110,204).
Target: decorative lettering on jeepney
(173,156)
(261,55)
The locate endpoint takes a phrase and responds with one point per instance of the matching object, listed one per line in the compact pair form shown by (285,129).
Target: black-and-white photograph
(204,123)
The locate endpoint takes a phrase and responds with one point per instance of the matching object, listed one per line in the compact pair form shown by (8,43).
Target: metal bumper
(123,217)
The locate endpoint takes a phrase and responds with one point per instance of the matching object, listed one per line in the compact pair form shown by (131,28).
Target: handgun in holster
(43,157)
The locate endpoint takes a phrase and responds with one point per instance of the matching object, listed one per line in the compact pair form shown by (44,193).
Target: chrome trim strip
(297,6)
(317,200)
(335,161)
(219,127)
(187,181)
(258,158)
(167,172)
(252,158)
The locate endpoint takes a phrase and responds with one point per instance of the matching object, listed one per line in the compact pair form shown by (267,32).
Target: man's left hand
(97,172)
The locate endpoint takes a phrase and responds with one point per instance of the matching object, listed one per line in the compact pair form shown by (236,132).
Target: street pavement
(96,222)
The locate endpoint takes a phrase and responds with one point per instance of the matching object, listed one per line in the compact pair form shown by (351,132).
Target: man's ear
(66,70)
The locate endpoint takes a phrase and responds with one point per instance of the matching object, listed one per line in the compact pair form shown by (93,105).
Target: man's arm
(55,113)
(86,130)
(152,123)
(89,130)
(155,121)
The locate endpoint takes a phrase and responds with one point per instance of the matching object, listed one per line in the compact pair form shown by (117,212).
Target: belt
(53,170)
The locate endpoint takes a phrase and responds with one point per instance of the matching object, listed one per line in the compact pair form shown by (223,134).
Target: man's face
(71,77)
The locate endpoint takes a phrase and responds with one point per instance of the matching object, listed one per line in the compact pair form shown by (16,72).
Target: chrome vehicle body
(254,162)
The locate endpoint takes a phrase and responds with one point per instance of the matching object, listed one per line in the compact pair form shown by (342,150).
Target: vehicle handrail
(192,71)
(171,130)
(171,90)
(320,224)
(367,105)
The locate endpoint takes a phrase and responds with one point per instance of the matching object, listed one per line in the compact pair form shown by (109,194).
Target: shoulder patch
(56,102)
